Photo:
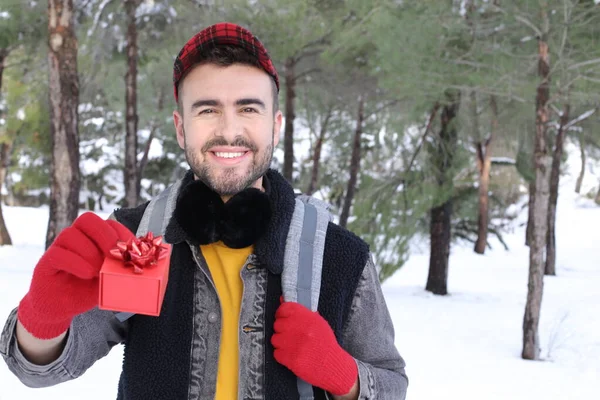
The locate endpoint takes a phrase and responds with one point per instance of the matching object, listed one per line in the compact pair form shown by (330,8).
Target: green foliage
(21,23)
(401,57)
(288,28)
(26,124)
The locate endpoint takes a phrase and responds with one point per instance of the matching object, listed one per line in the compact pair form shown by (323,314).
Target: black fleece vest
(156,363)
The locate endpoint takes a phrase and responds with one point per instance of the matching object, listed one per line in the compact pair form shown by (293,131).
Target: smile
(229,157)
(222,154)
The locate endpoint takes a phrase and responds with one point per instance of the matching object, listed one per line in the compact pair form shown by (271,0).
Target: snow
(21,114)
(97,121)
(504,160)
(463,346)
(156,150)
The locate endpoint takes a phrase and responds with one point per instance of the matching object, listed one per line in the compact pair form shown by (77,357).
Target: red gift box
(134,277)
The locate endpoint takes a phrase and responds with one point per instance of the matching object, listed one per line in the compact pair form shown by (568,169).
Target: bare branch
(584,64)
(581,118)
(471,64)
(101,9)
(556,110)
(590,79)
(582,16)
(530,24)
(434,111)
(308,72)
(563,41)
(323,40)
(510,96)
(386,105)
(153,127)
(307,53)
(17,64)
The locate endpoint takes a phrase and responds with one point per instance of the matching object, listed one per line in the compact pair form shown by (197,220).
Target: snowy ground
(464,346)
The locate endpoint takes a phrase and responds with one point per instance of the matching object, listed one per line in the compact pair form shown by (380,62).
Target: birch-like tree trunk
(539,212)
(64,101)
(583,161)
(130,173)
(554,183)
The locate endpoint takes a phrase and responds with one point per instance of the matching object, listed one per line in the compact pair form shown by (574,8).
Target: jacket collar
(269,248)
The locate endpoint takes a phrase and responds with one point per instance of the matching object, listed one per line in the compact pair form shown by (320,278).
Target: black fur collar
(250,217)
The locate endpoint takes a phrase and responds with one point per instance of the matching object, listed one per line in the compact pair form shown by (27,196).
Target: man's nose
(230,126)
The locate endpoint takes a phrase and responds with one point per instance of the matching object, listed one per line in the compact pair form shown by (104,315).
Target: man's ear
(277,127)
(178,122)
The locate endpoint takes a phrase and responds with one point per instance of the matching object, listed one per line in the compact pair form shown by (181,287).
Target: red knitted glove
(65,280)
(305,343)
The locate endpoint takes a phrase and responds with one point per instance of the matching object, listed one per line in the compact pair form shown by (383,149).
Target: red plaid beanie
(220,34)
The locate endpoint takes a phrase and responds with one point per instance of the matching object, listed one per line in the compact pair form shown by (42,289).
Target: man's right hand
(65,280)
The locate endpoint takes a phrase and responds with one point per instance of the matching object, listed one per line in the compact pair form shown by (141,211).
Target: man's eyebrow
(251,101)
(205,102)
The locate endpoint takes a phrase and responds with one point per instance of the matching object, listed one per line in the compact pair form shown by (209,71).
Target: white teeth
(228,155)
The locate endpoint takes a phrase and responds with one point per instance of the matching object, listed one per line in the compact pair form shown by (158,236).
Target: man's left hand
(305,343)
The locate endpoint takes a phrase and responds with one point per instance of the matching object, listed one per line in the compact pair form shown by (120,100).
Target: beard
(228,181)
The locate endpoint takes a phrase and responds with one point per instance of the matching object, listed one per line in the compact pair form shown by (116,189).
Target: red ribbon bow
(140,253)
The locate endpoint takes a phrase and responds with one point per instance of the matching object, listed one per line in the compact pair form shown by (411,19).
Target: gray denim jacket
(368,337)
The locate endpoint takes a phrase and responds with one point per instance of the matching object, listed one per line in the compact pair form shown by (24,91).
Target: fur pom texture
(206,219)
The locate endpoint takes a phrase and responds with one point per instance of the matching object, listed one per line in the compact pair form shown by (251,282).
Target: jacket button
(213,317)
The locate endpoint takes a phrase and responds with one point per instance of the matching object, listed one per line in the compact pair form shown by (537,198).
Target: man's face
(227,126)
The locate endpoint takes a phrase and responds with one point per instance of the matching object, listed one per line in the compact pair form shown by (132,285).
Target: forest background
(435,121)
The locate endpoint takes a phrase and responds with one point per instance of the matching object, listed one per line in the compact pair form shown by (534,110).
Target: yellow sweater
(225,265)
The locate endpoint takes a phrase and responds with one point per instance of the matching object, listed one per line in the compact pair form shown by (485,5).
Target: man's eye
(249,110)
(207,111)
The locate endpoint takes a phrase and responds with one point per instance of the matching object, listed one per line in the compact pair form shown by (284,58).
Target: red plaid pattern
(217,35)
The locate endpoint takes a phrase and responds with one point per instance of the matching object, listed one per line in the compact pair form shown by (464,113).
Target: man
(225,331)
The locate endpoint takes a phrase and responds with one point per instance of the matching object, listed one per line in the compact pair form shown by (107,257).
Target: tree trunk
(484,163)
(539,220)
(3,55)
(440,236)
(288,138)
(530,213)
(130,173)
(314,178)
(440,224)
(4,162)
(583,161)
(144,160)
(354,164)
(553,201)
(64,100)
(8,185)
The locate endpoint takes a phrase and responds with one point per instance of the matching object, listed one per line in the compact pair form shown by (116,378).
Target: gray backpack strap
(319,204)
(158,213)
(155,219)
(303,262)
